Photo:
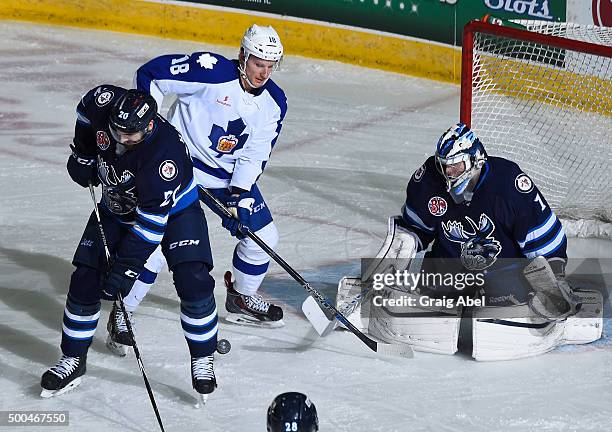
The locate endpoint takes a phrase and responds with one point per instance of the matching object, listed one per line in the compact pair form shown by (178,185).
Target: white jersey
(230,132)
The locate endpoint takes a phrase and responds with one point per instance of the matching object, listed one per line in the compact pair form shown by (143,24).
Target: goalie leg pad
(424,328)
(396,253)
(514,332)
(587,325)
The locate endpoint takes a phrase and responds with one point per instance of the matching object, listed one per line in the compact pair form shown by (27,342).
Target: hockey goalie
(475,232)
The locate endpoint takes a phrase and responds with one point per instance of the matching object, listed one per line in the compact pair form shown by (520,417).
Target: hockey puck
(223,346)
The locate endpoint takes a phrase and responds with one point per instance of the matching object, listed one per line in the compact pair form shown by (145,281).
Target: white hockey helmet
(262,42)
(460,144)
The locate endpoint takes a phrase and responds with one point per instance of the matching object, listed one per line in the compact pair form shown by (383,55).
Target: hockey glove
(82,169)
(120,279)
(552,297)
(240,204)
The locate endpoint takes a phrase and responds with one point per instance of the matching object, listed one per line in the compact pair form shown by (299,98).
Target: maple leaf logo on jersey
(207,61)
(228,141)
(479,249)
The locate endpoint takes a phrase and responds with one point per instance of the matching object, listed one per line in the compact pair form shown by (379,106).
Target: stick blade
(115,347)
(317,317)
(395,350)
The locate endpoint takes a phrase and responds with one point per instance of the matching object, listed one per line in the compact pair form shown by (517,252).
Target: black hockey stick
(124,312)
(401,350)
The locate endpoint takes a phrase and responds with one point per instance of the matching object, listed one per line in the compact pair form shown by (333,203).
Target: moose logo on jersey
(117,191)
(230,140)
(479,249)
(110,177)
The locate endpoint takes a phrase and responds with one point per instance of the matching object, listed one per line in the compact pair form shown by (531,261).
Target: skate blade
(45,394)
(202,399)
(116,348)
(249,321)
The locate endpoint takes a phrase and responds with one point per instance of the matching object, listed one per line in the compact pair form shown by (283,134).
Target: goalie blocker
(555,314)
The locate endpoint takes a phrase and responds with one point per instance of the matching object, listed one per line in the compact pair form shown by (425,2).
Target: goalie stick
(124,311)
(402,350)
(399,248)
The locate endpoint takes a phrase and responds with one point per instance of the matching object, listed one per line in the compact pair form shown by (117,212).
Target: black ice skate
(250,310)
(64,376)
(118,339)
(203,377)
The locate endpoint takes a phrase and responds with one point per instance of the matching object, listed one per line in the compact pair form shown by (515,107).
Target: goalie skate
(64,376)
(250,310)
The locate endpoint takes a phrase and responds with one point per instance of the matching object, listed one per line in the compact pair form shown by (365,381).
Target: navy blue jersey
(507,217)
(142,185)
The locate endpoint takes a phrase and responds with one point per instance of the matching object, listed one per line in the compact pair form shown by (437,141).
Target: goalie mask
(263,43)
(292,412)
(459,157)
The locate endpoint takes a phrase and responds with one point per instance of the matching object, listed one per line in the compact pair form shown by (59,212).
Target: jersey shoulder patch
(523,183)
(426,189)
(427,174)
(419,173)
(167,150)
(103,96)
(168,170)
(214,68)
(95,104)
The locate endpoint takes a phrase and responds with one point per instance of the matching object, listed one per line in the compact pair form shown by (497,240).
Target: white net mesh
(549,109)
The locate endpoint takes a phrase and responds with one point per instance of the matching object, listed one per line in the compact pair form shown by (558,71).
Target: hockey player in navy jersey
(230,114)
(149,199)
(479,210)
(483,216)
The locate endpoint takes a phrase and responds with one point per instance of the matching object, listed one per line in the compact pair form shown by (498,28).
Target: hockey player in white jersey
(230,114)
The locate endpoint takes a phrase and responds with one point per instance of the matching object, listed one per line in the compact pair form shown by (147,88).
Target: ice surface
(351,140)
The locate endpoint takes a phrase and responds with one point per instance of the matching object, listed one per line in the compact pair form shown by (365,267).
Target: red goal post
(541,95)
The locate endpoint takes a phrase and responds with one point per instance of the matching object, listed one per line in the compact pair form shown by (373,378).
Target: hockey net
(541,95)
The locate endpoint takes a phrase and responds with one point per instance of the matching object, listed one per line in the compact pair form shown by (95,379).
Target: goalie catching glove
(552,297)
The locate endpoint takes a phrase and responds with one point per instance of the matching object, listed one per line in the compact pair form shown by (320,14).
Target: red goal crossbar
(467,55)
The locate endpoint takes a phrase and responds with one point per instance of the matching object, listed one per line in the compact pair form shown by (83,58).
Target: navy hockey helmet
(292,412)
(459,146)
(132,113)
